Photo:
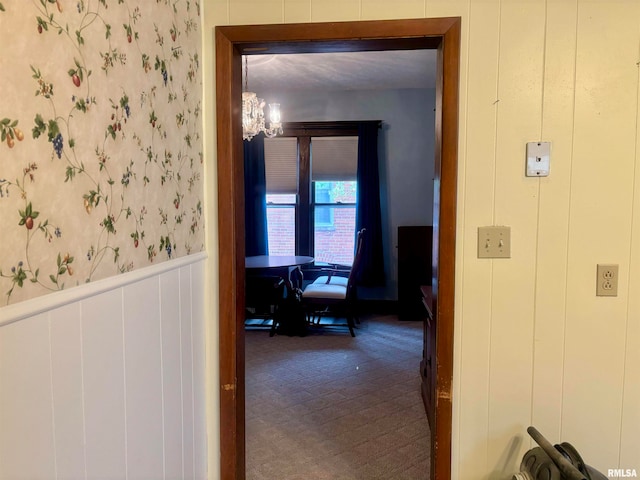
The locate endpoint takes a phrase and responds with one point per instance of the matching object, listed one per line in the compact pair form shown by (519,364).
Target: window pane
(334,240)
(335,192)
(334,227)
(281,224)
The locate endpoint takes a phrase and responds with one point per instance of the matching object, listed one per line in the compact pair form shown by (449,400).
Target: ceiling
(342,71)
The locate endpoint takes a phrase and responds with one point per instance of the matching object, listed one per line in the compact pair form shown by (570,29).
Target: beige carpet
(329,406)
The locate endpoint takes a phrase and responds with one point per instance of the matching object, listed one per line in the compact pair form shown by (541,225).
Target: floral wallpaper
(101,149)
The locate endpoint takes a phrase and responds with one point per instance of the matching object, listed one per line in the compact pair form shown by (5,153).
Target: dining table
(289,267)
(257,262)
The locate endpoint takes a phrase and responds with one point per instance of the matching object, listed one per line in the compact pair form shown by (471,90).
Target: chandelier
(253,113)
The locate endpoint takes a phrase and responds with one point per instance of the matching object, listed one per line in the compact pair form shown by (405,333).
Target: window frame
(304,131)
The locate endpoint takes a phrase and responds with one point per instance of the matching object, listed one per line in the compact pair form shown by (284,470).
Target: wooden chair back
(356,265)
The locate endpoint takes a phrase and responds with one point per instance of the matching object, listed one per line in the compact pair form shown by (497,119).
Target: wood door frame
(232,42)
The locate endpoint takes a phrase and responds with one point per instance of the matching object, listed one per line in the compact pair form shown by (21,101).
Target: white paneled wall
(110,385)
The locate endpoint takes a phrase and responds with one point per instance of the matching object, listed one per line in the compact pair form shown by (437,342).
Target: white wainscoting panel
(187,373)
(103,383)
(66,373)
(171,374)
(199,375)
(143,362)
(27,444)
(109,384)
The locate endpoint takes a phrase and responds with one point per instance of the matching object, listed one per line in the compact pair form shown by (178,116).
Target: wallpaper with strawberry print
(101,148)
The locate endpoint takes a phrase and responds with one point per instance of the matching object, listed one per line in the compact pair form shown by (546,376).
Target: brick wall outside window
(334,239)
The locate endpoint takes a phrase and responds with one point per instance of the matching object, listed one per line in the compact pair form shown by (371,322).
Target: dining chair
(335,294)
(263,299)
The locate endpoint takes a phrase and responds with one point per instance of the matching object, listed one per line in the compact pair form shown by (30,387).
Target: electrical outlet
(607,280)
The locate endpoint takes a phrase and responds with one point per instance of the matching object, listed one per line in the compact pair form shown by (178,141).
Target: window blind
(334,158)
(281,164)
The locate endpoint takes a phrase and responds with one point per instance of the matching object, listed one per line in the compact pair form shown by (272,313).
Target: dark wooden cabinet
(428,363)
(414,269)
(415,302)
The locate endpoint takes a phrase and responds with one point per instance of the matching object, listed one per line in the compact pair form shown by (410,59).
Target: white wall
(405,149)
(533,344)
(107,380)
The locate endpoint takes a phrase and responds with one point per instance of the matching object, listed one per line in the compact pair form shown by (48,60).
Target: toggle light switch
(494,242)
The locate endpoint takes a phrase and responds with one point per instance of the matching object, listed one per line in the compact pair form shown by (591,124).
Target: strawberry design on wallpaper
(30,221)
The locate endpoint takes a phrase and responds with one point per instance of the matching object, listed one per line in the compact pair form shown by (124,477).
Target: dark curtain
(368,206)
(255,199)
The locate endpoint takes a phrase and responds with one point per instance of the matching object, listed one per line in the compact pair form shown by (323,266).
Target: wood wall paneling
(297,11)
(335,10)
(383,9)
(256,11)
(215,12)
(601,196)
(519,100)
(630,443)
(474,325)
(449,8)
(553,218)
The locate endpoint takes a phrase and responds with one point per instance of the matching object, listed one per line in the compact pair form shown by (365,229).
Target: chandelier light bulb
(274,113)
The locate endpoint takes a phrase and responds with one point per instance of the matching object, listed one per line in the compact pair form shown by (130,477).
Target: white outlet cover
(538,159)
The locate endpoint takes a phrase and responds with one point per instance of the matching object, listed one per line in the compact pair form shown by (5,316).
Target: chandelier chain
(246,74)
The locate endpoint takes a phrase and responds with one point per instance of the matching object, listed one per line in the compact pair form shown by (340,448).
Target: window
(311,191)
(281,162)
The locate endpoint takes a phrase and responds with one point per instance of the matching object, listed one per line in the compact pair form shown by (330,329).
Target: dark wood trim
(339,36)
(305,238)
(444,241)
(326,129)
(230,259)
(231,43)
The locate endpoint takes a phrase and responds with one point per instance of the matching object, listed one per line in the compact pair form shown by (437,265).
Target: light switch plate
(538,159)
(494,242)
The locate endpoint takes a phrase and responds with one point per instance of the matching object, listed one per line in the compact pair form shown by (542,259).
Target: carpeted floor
(329,406)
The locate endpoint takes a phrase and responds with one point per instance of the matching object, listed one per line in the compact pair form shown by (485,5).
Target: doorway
(442,34)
